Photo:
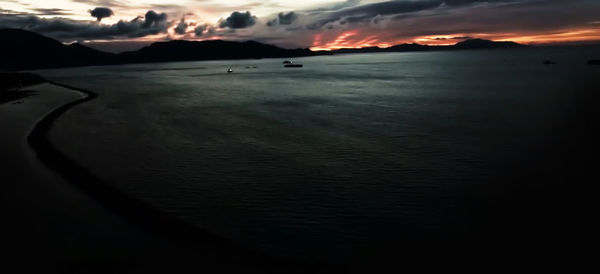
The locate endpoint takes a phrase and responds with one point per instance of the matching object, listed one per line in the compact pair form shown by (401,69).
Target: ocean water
(348,155)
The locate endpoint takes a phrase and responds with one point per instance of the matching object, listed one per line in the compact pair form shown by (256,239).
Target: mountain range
(22,50)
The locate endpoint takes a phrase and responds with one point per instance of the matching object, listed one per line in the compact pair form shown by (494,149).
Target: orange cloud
(348,39)
(356,39)
(569,36)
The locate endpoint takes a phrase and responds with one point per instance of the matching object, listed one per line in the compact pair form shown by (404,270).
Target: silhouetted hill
(413,47)
(485,44)
(22,49)
(358,50)
(28,50)
(467,44)
(181,50)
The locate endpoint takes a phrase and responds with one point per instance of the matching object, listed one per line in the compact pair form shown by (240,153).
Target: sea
(348,155)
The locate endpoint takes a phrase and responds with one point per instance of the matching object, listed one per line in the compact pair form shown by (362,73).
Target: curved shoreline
(215,250)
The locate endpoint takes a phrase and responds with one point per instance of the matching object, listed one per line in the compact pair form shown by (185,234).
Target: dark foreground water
(346,157)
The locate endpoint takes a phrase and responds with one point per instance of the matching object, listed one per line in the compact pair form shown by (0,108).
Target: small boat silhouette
(229,70)
(548,62)
(290,64)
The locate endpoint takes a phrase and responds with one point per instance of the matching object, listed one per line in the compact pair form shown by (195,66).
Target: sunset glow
(319,25)
(561,37)
(353,39)
(348,39)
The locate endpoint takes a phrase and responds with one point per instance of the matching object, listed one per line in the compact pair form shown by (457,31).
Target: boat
(548,62)
(293,65)
(287,62)
(229,70)
(594,62)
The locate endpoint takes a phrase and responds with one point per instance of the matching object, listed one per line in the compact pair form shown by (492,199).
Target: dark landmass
(485,44)
(467,44)
(180,50)
(16,80)
(28,50)
(12,84)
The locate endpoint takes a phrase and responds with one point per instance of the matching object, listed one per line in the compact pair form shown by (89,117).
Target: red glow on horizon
(348,39)
(569,36)
(354,39)
(316,40)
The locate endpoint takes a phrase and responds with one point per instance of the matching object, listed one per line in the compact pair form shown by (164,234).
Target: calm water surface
(346,155)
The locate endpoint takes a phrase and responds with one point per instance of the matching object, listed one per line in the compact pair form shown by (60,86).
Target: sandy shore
(48,221)
(67,220)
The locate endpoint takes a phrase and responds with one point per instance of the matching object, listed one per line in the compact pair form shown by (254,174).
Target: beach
(56,226)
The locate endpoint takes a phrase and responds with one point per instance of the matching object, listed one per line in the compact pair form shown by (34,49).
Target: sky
(118,25)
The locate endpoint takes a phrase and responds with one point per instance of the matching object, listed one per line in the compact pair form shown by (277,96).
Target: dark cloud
(362,13)
(101,12)
(69,30)
(368,11)
(283,19)
(11,12)
(336,6)
(453,38)
(200,29)
(462,37)
(287,18)
(104,3)
(181,27)
(37,11)
(273,22)
(463,2)
(386,8)
(153,19)
(377,19)
(511,19)
(238,20)
(52,11)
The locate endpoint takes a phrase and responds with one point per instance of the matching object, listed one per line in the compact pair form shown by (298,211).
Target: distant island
(23,50)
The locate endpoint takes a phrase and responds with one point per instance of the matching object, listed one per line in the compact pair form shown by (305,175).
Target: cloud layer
(347,23)
(67,29)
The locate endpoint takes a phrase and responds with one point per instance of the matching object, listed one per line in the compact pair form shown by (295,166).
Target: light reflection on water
(347,153)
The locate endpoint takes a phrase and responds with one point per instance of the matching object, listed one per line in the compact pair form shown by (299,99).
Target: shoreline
(214,250)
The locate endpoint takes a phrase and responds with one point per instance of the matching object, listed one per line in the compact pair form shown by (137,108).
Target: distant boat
(293,65)
(287,62)
(594,62)
(229,70)
(548,62)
